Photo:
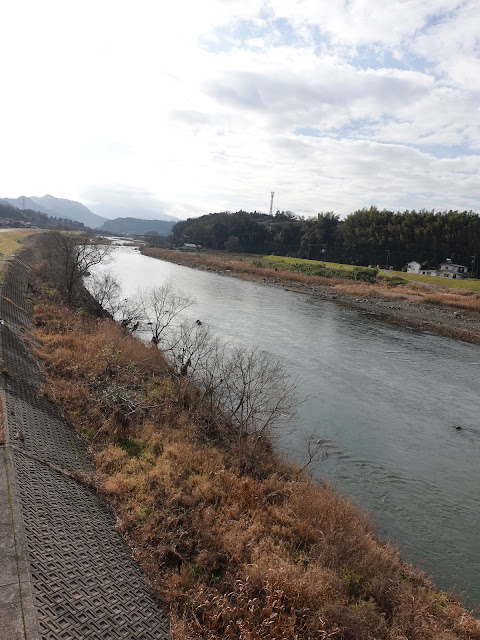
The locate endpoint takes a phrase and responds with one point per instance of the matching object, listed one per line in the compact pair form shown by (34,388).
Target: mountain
(27,203)
(11,216)
(137,226)
(68,209)
(119,208)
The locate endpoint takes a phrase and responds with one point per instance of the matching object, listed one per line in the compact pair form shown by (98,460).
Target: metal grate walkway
(77,580)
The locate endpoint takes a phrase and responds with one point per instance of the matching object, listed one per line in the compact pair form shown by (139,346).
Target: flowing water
(386,400)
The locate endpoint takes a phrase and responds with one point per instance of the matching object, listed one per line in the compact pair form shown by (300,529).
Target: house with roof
(189,246)
(450,270)
(447,270)
(413,267)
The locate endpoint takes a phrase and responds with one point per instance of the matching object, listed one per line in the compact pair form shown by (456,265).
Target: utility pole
(271,201)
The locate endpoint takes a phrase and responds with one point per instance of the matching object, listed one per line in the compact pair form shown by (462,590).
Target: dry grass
(271,555)
(11,241)
(376,291)
(221,262)
(467,301)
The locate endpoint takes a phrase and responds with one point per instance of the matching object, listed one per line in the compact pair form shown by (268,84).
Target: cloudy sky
(198,106)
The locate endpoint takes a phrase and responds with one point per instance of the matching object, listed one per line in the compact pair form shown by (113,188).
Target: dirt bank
(424,307)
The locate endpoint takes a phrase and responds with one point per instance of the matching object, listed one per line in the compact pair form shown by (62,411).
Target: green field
(10,241)
(290,261)
(471,284)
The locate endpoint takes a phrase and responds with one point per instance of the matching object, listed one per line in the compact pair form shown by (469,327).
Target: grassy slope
(11,241)
(470,284)
(268,555)
(291,261)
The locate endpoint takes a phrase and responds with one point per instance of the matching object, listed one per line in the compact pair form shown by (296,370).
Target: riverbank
(451,313)
(267,553)
(65,571)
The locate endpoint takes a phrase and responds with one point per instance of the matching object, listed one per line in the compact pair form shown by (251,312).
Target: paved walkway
(17,613)
(65,572)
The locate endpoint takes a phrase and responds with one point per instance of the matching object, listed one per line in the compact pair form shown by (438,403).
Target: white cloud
(203,106)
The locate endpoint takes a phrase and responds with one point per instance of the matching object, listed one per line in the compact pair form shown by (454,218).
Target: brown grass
(375,291)
(271,555)
(466,301)
(236,264)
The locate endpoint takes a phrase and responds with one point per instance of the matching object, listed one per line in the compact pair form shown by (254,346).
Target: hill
(10,216)
(138,226)
(365,237)
(69,209)
(58,208)
(24,203)
(125,208)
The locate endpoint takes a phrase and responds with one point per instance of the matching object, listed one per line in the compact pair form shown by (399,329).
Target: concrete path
(65,572)
(17,613)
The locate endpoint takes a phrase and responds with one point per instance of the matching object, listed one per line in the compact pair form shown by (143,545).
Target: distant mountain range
(137,226)
(59,208)
(131,209)
(72,210)
(11,216)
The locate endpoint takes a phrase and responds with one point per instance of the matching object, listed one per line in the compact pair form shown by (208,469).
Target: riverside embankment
(66,572)
(426,307)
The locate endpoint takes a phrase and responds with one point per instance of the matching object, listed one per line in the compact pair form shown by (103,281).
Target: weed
(439,601)
(134,448)
(143,513)
(354,582)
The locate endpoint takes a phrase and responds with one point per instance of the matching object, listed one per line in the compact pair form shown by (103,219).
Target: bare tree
(246,390)
(315,449)
(162,305)
(106,290)
(190,348)
(67,258)
(256,394)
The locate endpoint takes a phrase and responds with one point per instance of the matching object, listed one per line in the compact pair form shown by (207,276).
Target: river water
(385,399)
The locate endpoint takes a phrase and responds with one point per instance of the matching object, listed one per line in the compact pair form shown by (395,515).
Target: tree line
(367,236)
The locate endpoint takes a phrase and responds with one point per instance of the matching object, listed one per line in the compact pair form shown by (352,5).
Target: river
(386,399)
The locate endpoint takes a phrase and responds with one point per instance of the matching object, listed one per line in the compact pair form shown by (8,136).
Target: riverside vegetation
(238,542)
(448,307)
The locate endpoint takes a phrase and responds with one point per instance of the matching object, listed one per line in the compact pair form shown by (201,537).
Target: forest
(368,236)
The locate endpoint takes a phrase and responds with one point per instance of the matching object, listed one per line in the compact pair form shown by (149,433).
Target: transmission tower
(271,201)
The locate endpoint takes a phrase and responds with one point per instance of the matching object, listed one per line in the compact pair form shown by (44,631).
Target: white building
(189,246)
(447,270)
(414,267)
(450,270)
